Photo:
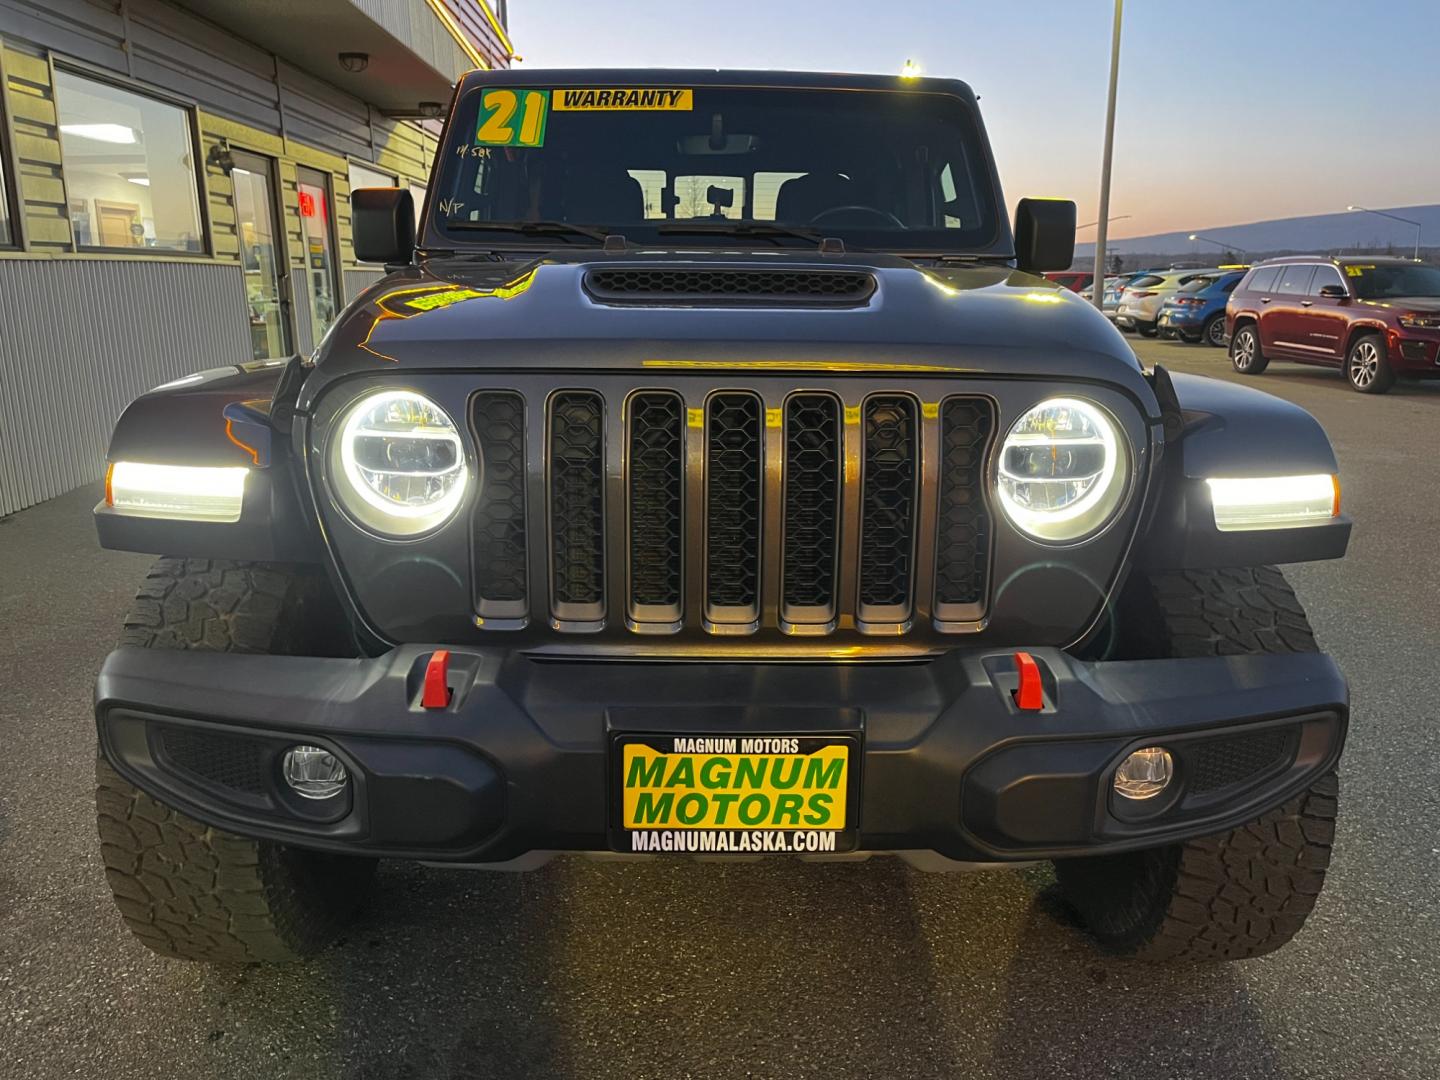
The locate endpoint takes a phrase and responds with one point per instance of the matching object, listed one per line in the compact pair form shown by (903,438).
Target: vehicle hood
(467,313)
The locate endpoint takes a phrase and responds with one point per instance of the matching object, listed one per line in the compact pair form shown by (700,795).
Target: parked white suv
(1140,302)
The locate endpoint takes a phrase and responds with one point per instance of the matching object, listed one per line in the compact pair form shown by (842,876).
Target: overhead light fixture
(354,62)
(106,133)
(220,157)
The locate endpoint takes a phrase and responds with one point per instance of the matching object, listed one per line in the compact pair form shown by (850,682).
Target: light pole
(1098,294)
(1217,243)
(1393,217)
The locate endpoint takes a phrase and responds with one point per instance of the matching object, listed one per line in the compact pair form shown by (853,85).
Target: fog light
(313,772)
(1145,773)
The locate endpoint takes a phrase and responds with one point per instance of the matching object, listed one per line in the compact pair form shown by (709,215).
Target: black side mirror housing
(1335,292)
(383,224)
(1044,235)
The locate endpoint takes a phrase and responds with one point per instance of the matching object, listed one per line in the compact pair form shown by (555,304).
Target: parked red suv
(1074,280)
(1375,317)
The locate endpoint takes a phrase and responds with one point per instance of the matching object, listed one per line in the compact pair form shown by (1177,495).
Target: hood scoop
(658,286)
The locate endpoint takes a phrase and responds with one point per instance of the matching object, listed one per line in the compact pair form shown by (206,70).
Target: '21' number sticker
(512,117)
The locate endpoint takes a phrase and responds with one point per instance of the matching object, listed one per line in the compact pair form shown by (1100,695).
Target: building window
(321,286)
(364,176)
(129,164)
(6,237)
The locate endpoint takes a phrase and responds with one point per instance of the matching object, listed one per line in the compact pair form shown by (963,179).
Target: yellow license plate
(722,793)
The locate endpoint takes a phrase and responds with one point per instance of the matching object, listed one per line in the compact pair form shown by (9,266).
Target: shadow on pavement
(678,968)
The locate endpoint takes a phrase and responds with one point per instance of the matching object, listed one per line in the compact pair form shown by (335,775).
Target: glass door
(262,254)
(322,286)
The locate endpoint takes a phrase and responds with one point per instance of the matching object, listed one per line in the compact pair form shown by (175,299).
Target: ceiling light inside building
(107,133)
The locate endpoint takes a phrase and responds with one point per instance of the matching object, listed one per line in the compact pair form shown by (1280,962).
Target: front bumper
(517,762)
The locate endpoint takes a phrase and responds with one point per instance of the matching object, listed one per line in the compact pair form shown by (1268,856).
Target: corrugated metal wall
(81,338)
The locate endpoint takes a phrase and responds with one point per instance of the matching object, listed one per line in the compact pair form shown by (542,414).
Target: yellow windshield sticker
(625,99)
(512,117)
(1358,271)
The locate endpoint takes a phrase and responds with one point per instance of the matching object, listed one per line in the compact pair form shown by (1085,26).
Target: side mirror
(1044,234)
(1335,292)
(383,224)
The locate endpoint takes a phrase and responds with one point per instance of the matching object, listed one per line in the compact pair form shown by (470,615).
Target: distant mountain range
(1317,233)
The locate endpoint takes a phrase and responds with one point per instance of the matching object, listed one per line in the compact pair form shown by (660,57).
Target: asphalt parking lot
(678,968)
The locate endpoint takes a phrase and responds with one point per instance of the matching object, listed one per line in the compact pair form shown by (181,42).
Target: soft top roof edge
(806,80)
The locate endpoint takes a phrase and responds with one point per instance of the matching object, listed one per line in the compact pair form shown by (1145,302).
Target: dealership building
(174,191)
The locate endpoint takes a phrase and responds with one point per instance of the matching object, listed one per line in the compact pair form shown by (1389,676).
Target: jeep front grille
(812,511)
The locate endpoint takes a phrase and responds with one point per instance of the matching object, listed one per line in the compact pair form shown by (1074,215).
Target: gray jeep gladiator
(712,473)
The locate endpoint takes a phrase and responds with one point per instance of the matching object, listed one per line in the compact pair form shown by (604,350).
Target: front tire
(1367,367)
(185,889)
(1245,355)
(1147,329)
(1242,893)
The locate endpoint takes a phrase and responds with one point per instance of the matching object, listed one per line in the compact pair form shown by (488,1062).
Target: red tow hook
(1030,696)
(436,694)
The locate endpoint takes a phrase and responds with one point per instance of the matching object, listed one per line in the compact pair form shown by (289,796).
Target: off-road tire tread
(185,889)
(221,605)
(1245,892)
(192,892)
(1232,612)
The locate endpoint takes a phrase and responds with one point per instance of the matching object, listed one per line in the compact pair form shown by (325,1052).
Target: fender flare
(1223,429)
(230,416)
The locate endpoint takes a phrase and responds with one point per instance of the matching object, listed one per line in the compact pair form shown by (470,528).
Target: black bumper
(517,763)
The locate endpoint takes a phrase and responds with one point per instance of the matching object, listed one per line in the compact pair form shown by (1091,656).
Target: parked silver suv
(1140,302)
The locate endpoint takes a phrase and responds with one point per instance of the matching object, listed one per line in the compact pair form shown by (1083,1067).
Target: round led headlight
(397,464)
(1062,470)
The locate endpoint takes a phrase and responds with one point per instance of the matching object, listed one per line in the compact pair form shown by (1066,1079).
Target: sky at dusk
(1228,111)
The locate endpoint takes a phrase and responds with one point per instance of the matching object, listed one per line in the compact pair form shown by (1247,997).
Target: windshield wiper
(767,229)
(557,227)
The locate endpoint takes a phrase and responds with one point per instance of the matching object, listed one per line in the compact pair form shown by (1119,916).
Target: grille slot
(656,487)
(229,761)
(734,489)
(889,496)
(813,474)
(1216,763)
(500,567)
(648,285)
(963,530)
(577,506)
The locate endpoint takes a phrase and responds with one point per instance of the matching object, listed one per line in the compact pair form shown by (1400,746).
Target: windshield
(1377,282)
(881,169)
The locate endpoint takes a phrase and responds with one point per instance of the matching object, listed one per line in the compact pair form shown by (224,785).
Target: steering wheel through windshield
(870,211)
